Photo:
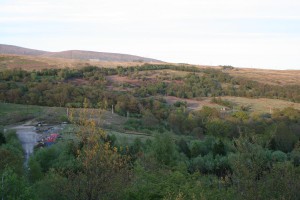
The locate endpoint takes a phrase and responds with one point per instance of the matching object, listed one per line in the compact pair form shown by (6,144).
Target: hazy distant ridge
(75,54)
(10,49)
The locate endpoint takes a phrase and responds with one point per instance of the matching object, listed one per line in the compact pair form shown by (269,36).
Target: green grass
(126,138)
(262,105)
(112,123)
(16,113)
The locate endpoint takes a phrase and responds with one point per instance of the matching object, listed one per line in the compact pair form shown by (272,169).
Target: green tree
(218,128)
(34,171)
(103,172)
(149,120)
(284,138)
(219,148)
(249,164)
(164,149)
(14,187)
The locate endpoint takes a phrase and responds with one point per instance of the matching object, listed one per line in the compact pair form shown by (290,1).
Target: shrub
(279,156)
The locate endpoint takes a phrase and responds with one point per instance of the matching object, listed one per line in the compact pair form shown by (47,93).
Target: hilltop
(75,54)
(31,59)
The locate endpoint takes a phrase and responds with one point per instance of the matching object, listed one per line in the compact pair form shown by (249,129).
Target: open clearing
(15,113)
(262,104)
(273,77)
(36,63)
(192,104)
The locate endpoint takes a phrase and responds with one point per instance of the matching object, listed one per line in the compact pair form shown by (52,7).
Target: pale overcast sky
(256,33)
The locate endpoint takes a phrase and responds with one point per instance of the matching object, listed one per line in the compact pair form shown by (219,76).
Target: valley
(142,130)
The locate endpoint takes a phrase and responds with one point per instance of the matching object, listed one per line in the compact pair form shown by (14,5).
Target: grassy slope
(262,105)
(15,113)
(37,63)
(272,77)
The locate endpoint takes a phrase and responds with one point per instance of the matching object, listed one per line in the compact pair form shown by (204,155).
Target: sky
(256,33)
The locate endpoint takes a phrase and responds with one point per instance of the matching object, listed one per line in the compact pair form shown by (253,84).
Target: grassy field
(36,63)
(262,105)
(193,104)
(272,77)
(113,124)
(127,138)
(16,113)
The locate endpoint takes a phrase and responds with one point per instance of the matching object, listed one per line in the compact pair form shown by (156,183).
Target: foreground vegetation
(173,152)
(236,158)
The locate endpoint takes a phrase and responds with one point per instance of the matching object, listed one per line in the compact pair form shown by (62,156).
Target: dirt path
(28,137)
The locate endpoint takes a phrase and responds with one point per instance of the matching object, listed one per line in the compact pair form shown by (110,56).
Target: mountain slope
(98,56)
(10,49)
(75,54)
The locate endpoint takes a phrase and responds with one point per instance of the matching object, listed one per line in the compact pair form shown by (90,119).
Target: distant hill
(75,54)
(10,49)
(99,56)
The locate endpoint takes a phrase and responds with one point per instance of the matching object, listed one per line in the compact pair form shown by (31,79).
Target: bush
(210,164)
(164,149)
(279,156)
(14,186)
(284,139)
(11,153)
(198,148)
(295,157)
(63,118)
(202,147)
(133,124)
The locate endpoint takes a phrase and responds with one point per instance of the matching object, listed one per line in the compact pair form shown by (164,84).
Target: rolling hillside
(75,54)
(30,59)
(10,49)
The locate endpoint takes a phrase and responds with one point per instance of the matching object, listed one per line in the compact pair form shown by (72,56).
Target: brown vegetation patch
(78,81)
(273,77)
(262,104)
(13,62)
(123,79)
(192,104)
(29,63)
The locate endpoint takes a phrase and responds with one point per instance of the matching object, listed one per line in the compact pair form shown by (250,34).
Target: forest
(184,153)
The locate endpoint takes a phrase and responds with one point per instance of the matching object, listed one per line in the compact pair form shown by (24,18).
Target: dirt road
(28,137)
